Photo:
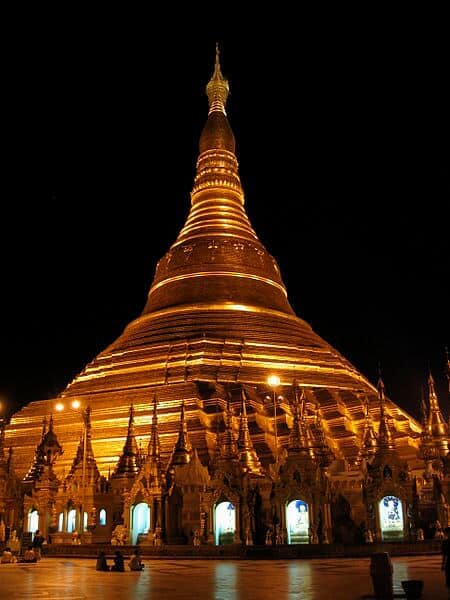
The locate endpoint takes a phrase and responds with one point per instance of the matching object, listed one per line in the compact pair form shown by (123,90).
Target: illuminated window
(71,520)
(102,517)
(225,523)
(60,521)
(85,521)
(33,520)
(297,519)
(391,518)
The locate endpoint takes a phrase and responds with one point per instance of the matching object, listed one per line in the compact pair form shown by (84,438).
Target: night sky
(342,138)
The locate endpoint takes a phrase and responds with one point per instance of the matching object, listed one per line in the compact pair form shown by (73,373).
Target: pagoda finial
(153,445)
(217,89)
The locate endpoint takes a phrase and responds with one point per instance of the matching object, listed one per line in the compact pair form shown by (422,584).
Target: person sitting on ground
(29,555)
(119,563)
(102,564)
(7,556)
(136,563)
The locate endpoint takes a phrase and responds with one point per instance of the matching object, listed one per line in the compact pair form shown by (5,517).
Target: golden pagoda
(217,324)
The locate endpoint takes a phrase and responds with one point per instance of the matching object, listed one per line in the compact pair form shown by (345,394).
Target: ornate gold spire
(298,439)
(217,89)
(37,465)
(92,472)
(369,437)
(217,257)
(129,459)
(436,426)
(324,453)
(2,440)
(385,438)
(182,450)
(153,444)
(447,370)
(229,448)
(247,454)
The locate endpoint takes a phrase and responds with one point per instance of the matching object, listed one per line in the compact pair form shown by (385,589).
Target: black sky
(342,137)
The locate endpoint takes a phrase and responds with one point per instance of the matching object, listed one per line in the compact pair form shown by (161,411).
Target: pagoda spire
(324,452)
(217,89)
(385,437)
(437,429)
(228,447)
(436,422)
(85,452)
(298,438)
(154,448)
(182,450)
(247,454)
(2,439)
(38,463)
(447,368)
(128,463)
(213,259)
(369,438)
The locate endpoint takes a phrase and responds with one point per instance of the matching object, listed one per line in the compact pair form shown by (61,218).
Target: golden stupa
(217,321)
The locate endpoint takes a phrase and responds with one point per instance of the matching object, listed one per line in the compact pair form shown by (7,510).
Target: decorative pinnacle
(217,89)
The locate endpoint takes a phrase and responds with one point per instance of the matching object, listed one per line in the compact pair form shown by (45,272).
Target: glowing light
(273,380)
(75,404)
(59,406)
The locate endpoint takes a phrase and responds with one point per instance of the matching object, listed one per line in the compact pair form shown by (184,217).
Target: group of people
(135,563)
(31,555)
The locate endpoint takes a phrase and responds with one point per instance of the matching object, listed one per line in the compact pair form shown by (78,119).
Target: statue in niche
(387,472)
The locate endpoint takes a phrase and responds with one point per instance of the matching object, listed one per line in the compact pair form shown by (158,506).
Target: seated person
(136,563)
(102,564)
(119,563)
(7,557)
(30,555)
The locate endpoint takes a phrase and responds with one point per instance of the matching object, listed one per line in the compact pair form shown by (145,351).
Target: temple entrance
(391,518)
(297,520)
(33,520)
(140,520)
(225,523)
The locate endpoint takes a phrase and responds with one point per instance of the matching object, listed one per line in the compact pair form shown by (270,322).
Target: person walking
(38,542)
(446,556)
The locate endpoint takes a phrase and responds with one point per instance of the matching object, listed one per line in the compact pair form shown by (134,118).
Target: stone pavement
(176,579)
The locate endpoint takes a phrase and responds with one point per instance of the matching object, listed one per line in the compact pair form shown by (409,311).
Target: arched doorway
(33,520)
(297,520)
(391,518)
(140,520)
(225,523)
(71,520)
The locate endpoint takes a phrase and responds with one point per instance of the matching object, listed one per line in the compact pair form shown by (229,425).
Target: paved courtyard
(330,579)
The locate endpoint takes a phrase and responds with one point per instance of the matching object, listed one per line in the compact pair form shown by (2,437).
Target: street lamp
(76,405)
(274,382)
